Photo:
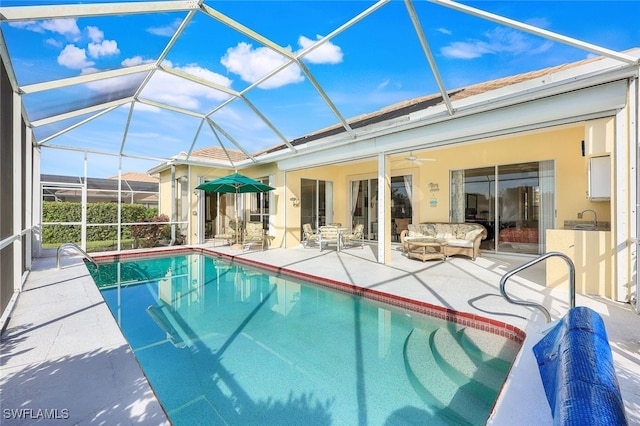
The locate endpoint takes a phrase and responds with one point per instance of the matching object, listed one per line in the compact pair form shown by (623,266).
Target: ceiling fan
(415,160)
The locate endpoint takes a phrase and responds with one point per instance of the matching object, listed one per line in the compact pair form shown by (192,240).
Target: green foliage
(97,213)
(151,233)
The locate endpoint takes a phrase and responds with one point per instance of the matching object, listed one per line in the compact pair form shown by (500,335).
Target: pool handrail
(64,246)
(572,282)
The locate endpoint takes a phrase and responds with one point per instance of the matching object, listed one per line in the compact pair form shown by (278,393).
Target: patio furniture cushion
(460,238)
(356,237)
(328,235)
(308,236)
(254,234)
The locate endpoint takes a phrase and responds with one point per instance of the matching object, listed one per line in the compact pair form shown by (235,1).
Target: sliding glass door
(514,202)
(364,204)
(316,202)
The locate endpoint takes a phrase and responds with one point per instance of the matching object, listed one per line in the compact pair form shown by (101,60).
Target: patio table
(426,249)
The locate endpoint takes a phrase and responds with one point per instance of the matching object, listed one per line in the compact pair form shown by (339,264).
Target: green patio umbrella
(236,184)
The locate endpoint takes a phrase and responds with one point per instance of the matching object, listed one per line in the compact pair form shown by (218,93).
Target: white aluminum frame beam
(427,52)
(76,125)
(79,112)
(85,78)
(34,13)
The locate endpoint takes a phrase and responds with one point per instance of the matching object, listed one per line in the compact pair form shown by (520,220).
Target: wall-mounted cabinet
(600,178)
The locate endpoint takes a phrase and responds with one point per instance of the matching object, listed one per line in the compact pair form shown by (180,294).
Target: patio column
(634,190)
(174,203)
(624,199)
(384,212)
(16,176)
(634,94)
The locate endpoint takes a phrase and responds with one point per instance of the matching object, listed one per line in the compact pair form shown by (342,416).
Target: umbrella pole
(238,244)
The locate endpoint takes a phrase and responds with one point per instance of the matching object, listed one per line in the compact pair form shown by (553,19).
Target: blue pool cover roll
(578,373)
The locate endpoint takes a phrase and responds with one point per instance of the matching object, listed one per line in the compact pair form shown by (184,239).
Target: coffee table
(426,249)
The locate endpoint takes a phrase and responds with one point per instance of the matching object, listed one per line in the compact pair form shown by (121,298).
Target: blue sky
(375,63)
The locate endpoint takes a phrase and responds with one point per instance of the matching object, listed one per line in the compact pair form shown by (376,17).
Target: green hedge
(96,213)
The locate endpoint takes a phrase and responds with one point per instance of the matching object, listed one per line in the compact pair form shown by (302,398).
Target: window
(316,202)
(259,206)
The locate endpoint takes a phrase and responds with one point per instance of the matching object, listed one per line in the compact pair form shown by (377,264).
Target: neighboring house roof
(104,184)
(424,102)
(217,153)
(136,177)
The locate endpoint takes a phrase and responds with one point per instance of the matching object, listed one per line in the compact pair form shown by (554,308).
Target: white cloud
(113,85)
(166,31)
(498,40)
(53,42)
(539,22)
(66,27)
(74,57)
(252,64)
(89,70)
(465,50)
(106,48)
(28,25)
(95,34)
(136,60)
(382,85)
(164,87)
(327,53)
(444,31)
(206,74)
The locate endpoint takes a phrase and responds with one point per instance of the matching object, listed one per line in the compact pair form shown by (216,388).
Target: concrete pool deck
(63,355)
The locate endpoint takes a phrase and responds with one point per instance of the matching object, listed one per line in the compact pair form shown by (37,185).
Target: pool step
(471,361)
(457,372)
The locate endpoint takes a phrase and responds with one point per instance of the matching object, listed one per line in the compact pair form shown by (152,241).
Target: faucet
(595,216)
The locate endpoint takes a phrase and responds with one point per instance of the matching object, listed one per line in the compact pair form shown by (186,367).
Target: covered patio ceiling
(159,80)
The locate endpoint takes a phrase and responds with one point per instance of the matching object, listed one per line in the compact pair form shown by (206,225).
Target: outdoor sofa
(457,238)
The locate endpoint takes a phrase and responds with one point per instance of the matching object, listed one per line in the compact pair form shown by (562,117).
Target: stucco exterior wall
(563,144)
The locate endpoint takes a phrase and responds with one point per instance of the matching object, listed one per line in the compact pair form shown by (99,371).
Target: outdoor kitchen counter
(592,254)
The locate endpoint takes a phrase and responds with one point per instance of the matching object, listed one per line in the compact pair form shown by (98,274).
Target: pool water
(222,343)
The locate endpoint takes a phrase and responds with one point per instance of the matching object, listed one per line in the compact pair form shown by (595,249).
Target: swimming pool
(224,343)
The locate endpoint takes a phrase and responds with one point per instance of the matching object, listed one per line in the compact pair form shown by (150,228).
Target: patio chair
(226,235)
(253,235)
(308,236)
(401,225)
(328,235)
(355,238)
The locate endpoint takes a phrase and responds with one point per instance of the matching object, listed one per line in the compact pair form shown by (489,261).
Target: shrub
(97,213)
(150,234)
